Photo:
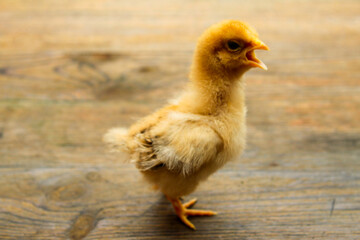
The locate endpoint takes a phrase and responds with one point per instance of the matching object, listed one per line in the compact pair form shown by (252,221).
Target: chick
(182,144)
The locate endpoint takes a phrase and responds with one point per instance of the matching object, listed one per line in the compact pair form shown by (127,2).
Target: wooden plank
(70,70)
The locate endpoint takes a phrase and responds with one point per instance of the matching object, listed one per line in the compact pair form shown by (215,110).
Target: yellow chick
(182,144)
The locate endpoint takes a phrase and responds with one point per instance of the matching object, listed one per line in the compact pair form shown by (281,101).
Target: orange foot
(183,212)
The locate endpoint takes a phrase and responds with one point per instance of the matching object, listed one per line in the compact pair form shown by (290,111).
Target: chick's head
(230,45)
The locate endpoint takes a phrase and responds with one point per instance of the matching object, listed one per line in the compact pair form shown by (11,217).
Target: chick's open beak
(252,59)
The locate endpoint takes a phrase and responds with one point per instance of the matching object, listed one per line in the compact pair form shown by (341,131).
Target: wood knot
(82,225)
(68,192)
(146,69)
(93,176)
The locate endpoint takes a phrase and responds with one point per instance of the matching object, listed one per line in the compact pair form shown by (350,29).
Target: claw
(190,203)
(183,212)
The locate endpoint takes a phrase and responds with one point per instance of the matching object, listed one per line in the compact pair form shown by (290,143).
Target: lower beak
(252,59)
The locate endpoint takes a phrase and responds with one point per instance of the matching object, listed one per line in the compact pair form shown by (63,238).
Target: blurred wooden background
(69,70)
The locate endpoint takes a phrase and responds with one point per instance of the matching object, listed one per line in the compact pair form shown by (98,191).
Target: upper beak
(253,60)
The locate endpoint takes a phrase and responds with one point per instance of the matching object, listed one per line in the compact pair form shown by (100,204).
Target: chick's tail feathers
(116,139)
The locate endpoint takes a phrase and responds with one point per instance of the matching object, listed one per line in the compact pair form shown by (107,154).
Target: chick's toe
(182,212)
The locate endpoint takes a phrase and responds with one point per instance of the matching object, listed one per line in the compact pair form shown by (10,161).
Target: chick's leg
(182,211)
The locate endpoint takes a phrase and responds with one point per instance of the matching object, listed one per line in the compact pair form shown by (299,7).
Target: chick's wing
(181,145)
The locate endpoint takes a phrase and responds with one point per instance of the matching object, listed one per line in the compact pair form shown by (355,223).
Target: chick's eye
(233,46)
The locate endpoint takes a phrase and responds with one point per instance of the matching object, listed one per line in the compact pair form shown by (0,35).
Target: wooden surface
(69,70)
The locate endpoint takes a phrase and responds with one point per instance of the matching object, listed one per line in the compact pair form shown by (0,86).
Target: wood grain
(69,70)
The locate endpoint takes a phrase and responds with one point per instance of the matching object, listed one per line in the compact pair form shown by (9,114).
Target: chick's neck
(213,90)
